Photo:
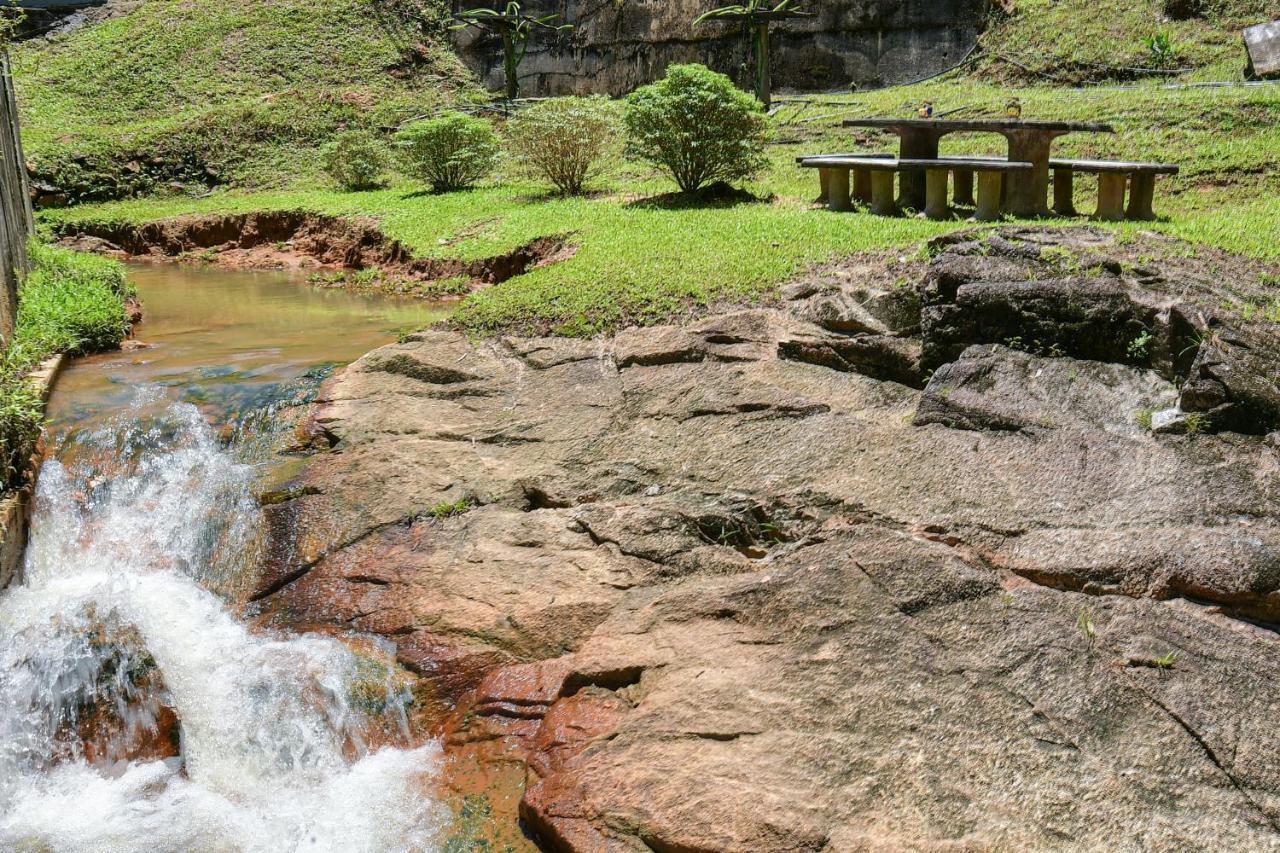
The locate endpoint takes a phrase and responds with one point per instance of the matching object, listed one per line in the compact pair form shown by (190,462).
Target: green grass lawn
(641,261)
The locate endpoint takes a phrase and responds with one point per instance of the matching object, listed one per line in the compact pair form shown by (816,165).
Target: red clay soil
(298,240)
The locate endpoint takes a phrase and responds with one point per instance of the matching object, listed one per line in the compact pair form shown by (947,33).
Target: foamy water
(133,537)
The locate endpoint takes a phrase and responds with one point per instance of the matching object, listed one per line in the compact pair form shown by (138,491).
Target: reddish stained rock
(718,600)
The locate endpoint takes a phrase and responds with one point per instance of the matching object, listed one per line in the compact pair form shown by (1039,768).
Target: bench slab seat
(834,170)
(1113,176)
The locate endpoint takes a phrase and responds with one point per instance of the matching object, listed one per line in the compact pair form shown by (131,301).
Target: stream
(141,709)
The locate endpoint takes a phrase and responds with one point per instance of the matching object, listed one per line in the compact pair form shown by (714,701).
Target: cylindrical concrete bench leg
(882,203)
(964,186)
(838,190)
(1111,197)
(1064,181)
(862,185)
(990,190)
(824,184)
(1142,191)
(935,194)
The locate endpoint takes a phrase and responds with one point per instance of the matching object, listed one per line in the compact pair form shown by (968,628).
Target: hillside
(1078,42)
(206,93)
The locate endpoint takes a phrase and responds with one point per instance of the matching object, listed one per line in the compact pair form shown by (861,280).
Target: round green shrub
(451,152)
(356,160)
(564,140)
(696,126)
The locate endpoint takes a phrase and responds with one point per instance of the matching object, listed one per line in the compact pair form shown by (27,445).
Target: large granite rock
(615,47)
(734,586)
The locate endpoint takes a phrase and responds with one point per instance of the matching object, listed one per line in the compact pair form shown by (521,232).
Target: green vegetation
(69,303)
(448,509)
(697,127)
(564,140)
(1078,42)
(200,93)
(757,16)
(514,28)
(356,160)
(451,152)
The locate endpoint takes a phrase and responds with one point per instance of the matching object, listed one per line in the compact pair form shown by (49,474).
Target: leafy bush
(70,303)
(356,160)
(697,127)
(564,139)
(450,152)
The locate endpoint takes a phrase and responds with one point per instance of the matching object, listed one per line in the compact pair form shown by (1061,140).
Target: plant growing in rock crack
(1140,347)
(1084,623)
(1197,423)
(1143,418)
(1167,661)
(449,509)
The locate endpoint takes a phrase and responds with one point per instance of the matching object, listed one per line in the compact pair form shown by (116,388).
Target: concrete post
(990,188)
(824,186)
(1142,191)
(1111,197)
(935,204)
(838,190)
(882,203)
(862,185)
(1064,203)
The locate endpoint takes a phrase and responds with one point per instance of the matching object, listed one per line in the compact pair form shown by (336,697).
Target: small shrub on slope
(564,140)
(356,160)
(451,152)
(698,127)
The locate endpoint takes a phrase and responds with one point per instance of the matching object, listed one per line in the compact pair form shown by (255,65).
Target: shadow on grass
(719,194)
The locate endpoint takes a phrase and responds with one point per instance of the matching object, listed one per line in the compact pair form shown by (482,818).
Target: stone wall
(617,45)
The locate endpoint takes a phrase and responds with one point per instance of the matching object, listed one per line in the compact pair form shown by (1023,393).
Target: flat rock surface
(819,578)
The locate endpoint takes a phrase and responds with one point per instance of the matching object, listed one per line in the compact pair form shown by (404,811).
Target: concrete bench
(1113,176)
(861,182)
(880,172)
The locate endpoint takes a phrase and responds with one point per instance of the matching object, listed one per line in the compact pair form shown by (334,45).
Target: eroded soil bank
(302,240)
(899,564)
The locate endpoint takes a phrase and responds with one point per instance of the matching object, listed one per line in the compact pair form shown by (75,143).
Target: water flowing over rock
(138,714)
(721,590)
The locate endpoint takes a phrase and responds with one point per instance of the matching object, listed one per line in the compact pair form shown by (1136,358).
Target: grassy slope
(1082,40)
(232,85)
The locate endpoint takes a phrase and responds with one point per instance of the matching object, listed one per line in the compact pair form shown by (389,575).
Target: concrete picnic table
(1029,141)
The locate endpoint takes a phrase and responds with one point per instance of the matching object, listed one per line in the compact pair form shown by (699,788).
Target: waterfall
(139,531)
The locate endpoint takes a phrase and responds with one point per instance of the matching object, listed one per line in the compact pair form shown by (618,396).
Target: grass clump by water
(69,303)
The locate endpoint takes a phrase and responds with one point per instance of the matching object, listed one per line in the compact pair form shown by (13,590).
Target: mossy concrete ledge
(15,508)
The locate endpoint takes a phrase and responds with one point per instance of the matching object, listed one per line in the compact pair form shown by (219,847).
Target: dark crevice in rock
(301,570)
(1212,755)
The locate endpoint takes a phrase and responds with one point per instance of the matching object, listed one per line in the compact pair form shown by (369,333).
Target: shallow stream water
(139,709)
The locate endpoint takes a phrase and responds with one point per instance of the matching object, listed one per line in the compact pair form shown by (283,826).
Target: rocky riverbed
(973,550)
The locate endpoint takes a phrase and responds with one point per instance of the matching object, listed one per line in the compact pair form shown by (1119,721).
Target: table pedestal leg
(862,185)
(990,185)
(935,203)
(1064,203)
(824,186)
(1029,191)
(838,190)
(917,144)
(1111,197)
(882,203)
(964,186)
(1142,191)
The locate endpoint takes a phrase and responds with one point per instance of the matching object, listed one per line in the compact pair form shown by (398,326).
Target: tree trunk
(764,85)
(509,64)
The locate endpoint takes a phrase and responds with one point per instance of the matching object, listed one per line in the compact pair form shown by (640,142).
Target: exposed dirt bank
(934,565)
(300,240)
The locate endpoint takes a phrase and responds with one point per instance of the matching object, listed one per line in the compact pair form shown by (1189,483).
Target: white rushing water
(119,614)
